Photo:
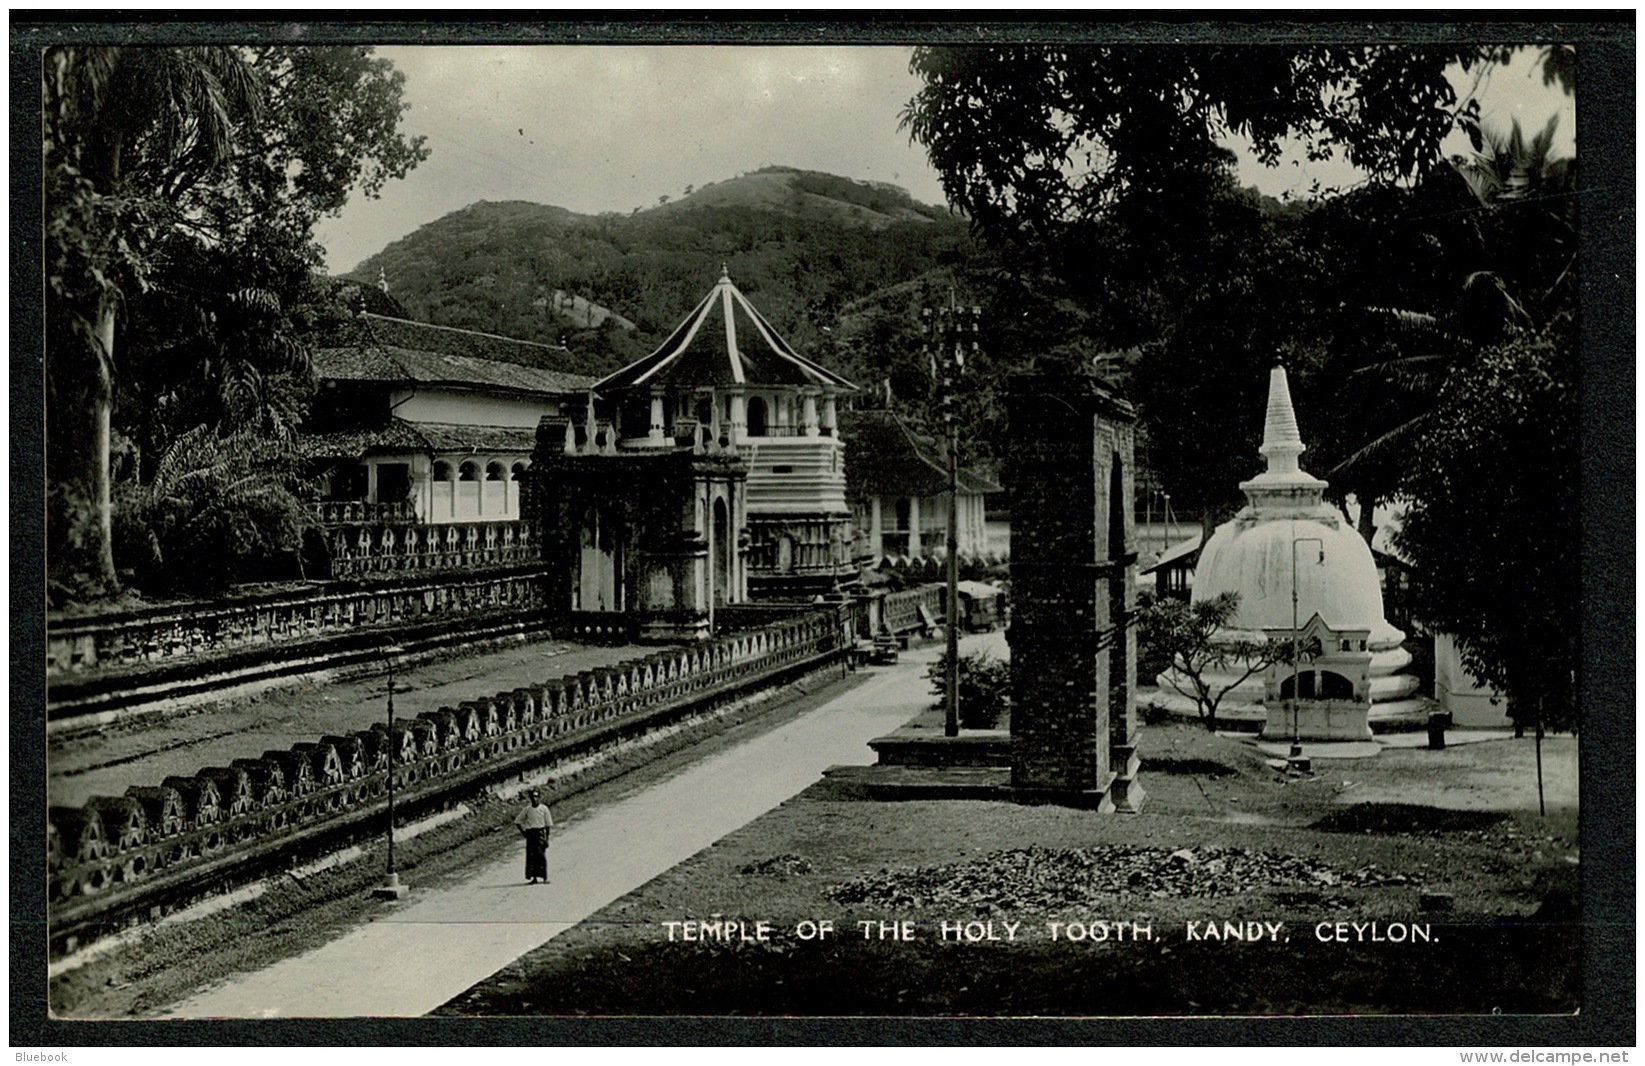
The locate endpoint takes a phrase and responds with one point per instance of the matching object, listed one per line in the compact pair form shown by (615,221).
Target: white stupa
(1287,528)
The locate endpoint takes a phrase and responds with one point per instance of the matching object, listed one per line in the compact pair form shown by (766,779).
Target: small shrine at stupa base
(1324,691)
(1306,580)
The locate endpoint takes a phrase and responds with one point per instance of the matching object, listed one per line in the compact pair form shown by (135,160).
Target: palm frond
(1382,445)
(1406,373)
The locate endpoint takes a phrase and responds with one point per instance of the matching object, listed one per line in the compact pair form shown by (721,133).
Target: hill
(803,245)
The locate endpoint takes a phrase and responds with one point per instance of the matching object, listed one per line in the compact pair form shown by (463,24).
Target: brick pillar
(1127,792)
(1073,652)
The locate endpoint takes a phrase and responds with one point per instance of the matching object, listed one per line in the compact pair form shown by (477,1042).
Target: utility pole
(954,329)
(1296,761)
(391,888)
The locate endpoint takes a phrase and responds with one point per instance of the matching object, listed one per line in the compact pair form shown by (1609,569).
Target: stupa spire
(1281,440)
(1283,485)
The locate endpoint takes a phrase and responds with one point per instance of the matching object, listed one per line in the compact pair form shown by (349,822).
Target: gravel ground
(1260,893)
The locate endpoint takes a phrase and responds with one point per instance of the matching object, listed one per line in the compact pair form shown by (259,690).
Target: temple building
(725,376)
(644,538)
(418,439)
(897,485)
(1291,557)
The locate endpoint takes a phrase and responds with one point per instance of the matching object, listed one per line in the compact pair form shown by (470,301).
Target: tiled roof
(431,438)
(1184,553)
(884,457)
(397,436)
(454,438)
(724,341)
(399,350)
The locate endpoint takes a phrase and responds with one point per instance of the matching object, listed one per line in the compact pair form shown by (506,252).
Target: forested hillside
(801,244)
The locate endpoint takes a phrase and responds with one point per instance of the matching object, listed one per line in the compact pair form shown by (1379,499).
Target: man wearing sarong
(534,822)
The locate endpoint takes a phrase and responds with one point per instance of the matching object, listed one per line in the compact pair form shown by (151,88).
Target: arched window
(469,471)
(1116,510)
(725,550)
(495,472)
(1319,685)
(442,471)
(1333,686)
(756,416)
(518,469)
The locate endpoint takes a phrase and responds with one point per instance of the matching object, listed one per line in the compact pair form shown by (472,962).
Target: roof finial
(725,273)
(382,279)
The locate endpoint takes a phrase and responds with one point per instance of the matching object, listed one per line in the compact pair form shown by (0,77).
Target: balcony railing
(357,512)
(358,551)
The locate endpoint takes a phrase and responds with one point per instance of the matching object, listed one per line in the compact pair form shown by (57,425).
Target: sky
(596,128)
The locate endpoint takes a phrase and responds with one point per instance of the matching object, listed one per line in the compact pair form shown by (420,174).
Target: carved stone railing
(374,550)
(179,633)
(901,610)
(115,855)
(361,512)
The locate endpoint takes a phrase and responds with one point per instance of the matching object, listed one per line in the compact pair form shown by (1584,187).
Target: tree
(213,504)
(182,188)
(1188,635)
(1031,140)
(1492,527)
(1107,164)
(1504,224)
(129,133)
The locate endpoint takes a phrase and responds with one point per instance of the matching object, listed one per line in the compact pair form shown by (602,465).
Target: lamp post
(391,888)
(949,329)
(1296,760)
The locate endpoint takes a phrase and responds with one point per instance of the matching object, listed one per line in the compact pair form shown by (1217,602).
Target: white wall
(1458,692)
(462,408)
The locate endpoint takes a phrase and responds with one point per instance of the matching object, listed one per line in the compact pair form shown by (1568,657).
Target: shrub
(985,689)
(218,511)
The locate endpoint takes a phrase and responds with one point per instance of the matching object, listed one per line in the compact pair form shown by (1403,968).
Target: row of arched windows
(470,471)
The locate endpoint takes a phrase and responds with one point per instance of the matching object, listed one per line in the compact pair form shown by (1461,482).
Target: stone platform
(893,782)
(914,746)
(1404,716)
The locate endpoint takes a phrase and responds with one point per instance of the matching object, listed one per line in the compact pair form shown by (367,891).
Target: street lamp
(1296,760)
(391,888)
(950,328)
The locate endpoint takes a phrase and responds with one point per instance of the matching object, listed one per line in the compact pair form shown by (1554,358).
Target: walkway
(434,945)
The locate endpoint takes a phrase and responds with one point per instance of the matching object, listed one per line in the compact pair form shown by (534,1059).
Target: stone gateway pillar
(1073,592)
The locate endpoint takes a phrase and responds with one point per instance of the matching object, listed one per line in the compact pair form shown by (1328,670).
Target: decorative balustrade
(901,611)
(358,512)
(372,550)
(179,633)
(113,847)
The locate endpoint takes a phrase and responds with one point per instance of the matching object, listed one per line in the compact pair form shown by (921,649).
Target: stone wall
(189,632)
(117,853)
(901,611)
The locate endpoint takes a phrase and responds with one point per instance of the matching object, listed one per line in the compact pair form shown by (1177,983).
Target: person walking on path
(534,821)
